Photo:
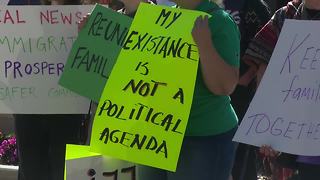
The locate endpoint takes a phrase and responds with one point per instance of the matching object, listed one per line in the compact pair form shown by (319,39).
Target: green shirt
(213,114)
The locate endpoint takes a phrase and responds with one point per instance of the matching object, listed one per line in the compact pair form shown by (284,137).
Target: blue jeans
(201,158)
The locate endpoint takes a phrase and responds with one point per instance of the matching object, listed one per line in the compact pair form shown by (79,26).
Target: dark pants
(42,142)
(245,161)
(309,171)
(201,158)
(244,167)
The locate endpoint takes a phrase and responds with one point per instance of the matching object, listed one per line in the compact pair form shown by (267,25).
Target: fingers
(83,21)
(201,31)
(197,22)
(86,17)
(206,21)
(201,21)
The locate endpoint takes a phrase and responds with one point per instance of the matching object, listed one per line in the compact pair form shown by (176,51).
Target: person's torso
(211,114)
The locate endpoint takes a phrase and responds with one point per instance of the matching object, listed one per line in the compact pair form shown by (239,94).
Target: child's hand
(83,21)
(201,32)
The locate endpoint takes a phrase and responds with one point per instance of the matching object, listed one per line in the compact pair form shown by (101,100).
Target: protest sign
(81,164)
(145,106)
(34,44)
(284,113)
(95,52)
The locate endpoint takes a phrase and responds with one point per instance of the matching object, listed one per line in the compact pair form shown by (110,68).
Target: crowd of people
(234,49)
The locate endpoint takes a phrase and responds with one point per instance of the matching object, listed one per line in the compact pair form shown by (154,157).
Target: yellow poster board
(143,112)
(74,152)
(81,164)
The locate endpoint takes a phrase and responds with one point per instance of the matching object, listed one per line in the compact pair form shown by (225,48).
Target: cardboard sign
(34,44)
(145,106)
(95,52)
(285,110)
(81,164)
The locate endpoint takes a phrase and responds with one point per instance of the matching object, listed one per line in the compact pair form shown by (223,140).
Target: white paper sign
(97,167)
(34,45)
(285,112)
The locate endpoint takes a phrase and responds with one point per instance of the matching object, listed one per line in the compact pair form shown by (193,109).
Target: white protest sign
(34,44)
(86,165)
(284,112)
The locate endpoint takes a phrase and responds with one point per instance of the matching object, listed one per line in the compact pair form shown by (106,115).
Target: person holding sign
(250,15)
(207,152)
(129,8)
(42,138)
(260,50)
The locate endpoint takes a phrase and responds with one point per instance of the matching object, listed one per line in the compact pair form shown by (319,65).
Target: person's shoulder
(217,12)
(222,17)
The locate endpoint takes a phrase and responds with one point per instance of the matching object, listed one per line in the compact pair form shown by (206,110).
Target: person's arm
(260,72)
(219,77)
(259,51)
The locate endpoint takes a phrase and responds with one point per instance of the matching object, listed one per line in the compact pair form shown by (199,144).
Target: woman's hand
(201,32)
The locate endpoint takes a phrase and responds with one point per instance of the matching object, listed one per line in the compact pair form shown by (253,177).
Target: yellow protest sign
(82,164)
(144,109)
(76,152)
